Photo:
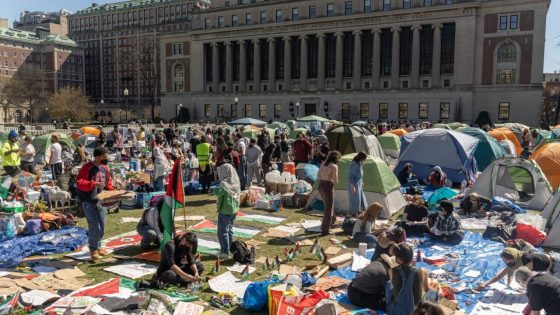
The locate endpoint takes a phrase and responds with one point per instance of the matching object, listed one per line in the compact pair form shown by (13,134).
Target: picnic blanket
(67,239)
(208,226)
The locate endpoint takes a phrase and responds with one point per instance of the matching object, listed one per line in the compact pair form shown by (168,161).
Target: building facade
(60,62)
(121,43)
(408,60)
(55,22)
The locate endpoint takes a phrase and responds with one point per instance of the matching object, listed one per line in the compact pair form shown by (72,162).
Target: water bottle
(463,185)
(253,254)
(293,281)
(418,256)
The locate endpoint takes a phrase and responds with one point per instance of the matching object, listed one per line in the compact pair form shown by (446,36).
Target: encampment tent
(448,149)
(551,214)
(488,148)
(43,142)
(352,139)
(516,179)
(380,185)
(399,132)
(506,134)
(391,144)
(547,157)
(247,122)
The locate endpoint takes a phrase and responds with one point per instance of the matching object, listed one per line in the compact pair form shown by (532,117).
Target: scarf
(229,180)
(517,254)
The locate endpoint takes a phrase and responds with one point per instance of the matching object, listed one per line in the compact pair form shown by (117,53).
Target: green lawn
(205,205)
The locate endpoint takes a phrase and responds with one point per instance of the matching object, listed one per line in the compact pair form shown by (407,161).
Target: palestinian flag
(174,198)
(8,304)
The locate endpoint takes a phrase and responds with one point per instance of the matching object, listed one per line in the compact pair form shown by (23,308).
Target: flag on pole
(174,197)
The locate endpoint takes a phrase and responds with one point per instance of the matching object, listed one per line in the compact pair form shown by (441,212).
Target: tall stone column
(303,78)
(242,67)
(229,68)
(321,62)
(339,79)
(215,69)
(395,64)
(357,71)
(436,57)
(271,64)
(256,65)
(415,56)
(376,70)
(287,64)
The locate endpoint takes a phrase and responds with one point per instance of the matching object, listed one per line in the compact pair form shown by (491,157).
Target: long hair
(370,214)
(426,308)
(221,145)
(181,250)
(332,158)
(360,157)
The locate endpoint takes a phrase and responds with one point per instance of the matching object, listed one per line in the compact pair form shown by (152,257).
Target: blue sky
(12,8)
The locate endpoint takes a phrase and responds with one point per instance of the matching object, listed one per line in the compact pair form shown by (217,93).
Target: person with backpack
(150,227)
(367,289)
(172,267)
(405,289)
(227,205)
(93,178)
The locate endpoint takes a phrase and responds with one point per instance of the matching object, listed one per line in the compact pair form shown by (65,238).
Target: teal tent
(439,195)
(488,148)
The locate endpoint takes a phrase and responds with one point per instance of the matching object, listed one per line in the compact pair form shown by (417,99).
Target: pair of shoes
(94,255)
(102,252)
(326,233)
(223,256)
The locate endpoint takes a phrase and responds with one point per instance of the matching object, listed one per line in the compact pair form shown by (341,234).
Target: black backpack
(241,252)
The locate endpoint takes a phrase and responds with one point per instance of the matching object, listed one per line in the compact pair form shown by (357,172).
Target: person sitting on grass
(365,224)
(415,217)
(447,227)
(177,264)
(228,205)
(387,240)
(367,289)
(437,178)
(542,289)
(406,281)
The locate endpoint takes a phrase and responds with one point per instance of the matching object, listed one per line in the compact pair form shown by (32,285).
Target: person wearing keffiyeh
(447,227)
(228,205)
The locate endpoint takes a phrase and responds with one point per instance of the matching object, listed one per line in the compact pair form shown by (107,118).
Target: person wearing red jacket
(93,178)
(302,150)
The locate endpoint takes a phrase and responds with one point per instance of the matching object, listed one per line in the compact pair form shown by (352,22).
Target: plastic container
(7,226)
(290,167)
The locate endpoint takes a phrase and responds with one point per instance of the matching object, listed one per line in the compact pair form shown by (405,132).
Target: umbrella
(313,118)
(247,121)
(439,195)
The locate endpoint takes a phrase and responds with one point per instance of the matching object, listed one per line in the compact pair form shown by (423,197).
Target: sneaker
(94,254)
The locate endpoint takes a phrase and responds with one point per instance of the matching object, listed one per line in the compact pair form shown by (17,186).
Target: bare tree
(148,61)
(26,90)
(70,104)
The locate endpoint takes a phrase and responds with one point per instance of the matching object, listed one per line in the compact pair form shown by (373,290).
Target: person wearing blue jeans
(228,205)
(93,178)
(158,184)
(161,165)
(365,224)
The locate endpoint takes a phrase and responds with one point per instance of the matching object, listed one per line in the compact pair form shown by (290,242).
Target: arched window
(506,64)
(179,78)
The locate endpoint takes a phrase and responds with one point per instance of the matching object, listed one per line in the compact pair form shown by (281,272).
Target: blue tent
(451,150)
(488,148)
(439,195)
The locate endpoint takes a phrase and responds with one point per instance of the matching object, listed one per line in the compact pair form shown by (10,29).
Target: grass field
(206,205)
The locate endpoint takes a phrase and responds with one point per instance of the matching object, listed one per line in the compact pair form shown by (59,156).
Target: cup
(362,247)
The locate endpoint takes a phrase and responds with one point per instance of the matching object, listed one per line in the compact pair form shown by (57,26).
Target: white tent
(516,179)
(551,214)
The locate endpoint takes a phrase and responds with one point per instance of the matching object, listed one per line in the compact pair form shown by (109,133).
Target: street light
(125,93)
(178,111)
(297,109)
(326,108)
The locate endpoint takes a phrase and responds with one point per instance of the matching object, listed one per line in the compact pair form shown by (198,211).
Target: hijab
(229,180)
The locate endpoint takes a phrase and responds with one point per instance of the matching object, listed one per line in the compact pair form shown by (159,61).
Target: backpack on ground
(241,252)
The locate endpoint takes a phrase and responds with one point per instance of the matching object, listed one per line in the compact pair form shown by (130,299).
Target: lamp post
(297,109)
(178,111)
(326,108)
(101,103)
(236,100)
(125,93)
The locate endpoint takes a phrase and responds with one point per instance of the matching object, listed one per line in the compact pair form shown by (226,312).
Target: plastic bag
(300,305)
(529,234)
(307,280)
(256,295)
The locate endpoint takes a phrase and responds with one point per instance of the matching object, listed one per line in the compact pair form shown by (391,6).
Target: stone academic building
(408,60)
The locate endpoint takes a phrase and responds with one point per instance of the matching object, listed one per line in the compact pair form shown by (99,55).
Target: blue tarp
(475,253)
(13,251)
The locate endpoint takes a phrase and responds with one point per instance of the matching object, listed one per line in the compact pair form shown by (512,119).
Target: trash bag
(256,295)
(530,234)
(500,233)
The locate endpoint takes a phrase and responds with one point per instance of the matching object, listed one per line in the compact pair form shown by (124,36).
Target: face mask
(104,161)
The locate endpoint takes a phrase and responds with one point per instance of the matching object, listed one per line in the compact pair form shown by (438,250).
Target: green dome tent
(41,143)
(313,118)
(353,139)
(488,148)
(380,185)
(391,144)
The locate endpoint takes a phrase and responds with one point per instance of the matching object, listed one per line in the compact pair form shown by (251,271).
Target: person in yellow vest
(206,175)
(10,151)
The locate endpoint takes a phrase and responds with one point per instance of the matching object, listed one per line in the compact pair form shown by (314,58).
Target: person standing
(161,165)
(241,148)
(228,205)
(302,149)
(80,154)
(27,155)
(254,159)
(93,178)
(11,160)
(55,159)
(356,195)
(206,175)
(328,177)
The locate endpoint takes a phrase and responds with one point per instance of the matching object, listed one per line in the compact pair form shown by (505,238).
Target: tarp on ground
(13,251)
(488,148)
(451,150)
(547,157)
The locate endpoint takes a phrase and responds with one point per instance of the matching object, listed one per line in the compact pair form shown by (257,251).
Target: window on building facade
(427,3)
(330,9)
(386,5)
(295,14)
(367,54)
(386,51)
(222,61)
(405,58)
(220,110)
(208,58)
(345,111)
(233,110)
(279,16)
(207,110)
(264,59)
(403,110)
(513,21)
(330,55)
(506,64)
(277,110)
(177,49)
(503,22)
(221,22)
(423,110)
(207,24)
(279,45)
(248,18)
(312,12)
(444,110)
(234,20)
(449,1)
(248,111)
(426,49)
(448,48)
(312,57)
(407,4)
(348,8)
(503,110)
(348,55)
(264,17)
(249,54)
(296,58)
(367,6)
(383,110)
(364,110)
(262,110)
